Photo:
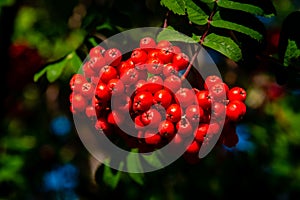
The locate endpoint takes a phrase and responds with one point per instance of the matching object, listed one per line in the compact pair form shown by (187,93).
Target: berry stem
(191,63)
(166,20)
(213,12)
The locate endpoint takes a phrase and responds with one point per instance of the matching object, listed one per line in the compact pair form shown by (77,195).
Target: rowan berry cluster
(146,94)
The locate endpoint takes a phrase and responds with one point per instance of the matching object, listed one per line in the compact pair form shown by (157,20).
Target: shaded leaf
(292,53)
(195,13)
(112,179)
(224,45)
(176,6)
(240,6)
(218,22)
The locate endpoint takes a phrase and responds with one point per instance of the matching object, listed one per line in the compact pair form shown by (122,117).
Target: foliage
(233,32)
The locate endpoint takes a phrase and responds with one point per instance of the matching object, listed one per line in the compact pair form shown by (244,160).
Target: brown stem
(166,20)
(189,67)
(213,12)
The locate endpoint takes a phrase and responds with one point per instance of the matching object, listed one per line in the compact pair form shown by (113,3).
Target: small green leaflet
(292,53)
(224,45)
(195,13)
(133,163)
(111,179)
(240,6)
(172,35)
(55,70)
(154,159)
(218,22)
(176,6)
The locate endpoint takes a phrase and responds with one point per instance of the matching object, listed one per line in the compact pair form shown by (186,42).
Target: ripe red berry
(87,90)
(76,82)
(166,129)
(147,43)
(185,97)
(113,56)
(103,126)
(237,93)
(151,118)
(218,91)
(152,137)
(96,51)
(184,127)
(78,103)
(204,99)
(163,98)
(194,114)
(96,63)
(211,81)
(165,54)
(181,61)
(169,69)
(172,83)
(163,43)
(130,76)
(116,86)
(218,110)
(139,56)
(154,65)
(201,132)
(142,101)
(102,92)
(193,148)
(107,73)
(173,113)
(235,110)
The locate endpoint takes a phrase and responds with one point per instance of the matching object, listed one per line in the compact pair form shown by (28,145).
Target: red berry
(165,54)
(193,148)
(154,65)
(204,99)
(166,129)
(142,101)
(163,43)
(184,127)
(163,98)
(154,84)
(96,51)
(218,91)
(235,110)
(113,56)
(169,69)
(107,73)
(130,76)
(194,114)
(116,86)
(151,118)
(211,81)
(185,97)
(87,90)
(181,61)
(76,82)
(96,63)
(102,92)
(90,112)
(147,43)
(78,103)
(139,56)
(218,110)
(201,132)
(172,83)
(173,113)
(237,93)
(102,125)
(152,137)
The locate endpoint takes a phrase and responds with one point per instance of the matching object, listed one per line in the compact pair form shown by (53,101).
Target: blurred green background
(42,157)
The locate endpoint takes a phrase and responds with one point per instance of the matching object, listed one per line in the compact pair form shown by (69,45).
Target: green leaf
(176,6)
(240,6)
(112,179)
(55,70)
(224,45)
(137,177)
(292,53)
(39,74)
(133,164)
(218,22)
(208,1)
(154,159)
(6,2)
(195,13)
(172,35)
